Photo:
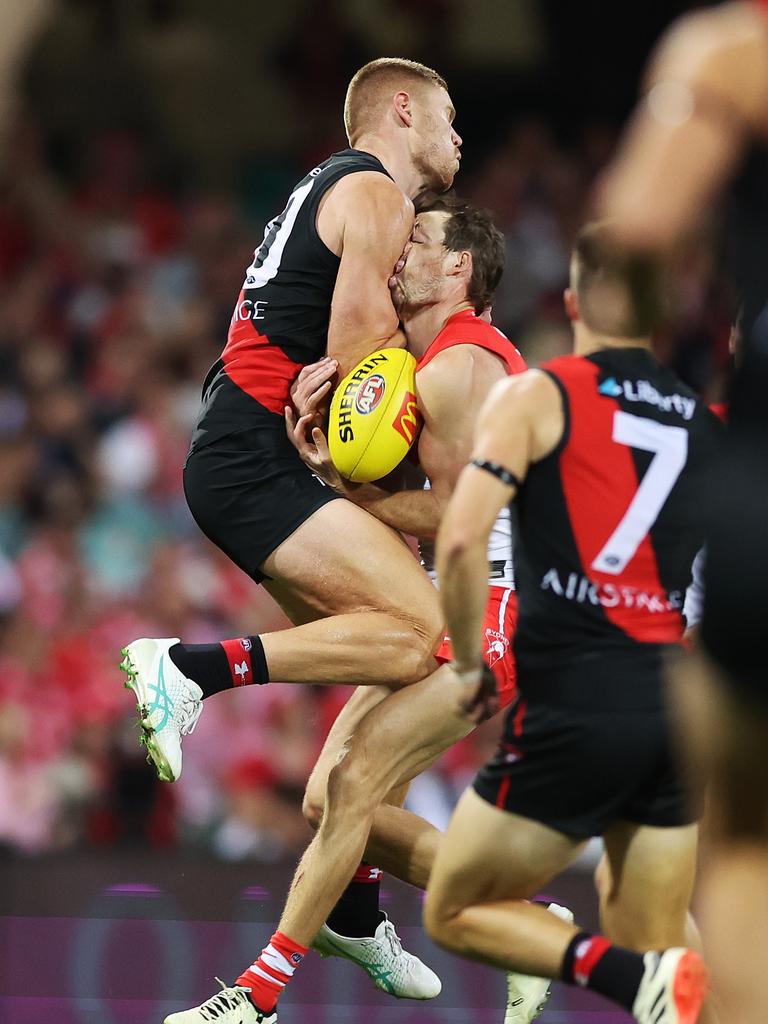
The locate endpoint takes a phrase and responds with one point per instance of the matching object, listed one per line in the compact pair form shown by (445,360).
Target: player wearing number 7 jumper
(606,454)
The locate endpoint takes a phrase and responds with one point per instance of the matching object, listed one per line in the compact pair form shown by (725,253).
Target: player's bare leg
(644,904)
(643,910)
(356,928)
(488,865)
(377,614)
(403,844)
(395,741)
(363,700)
(726,742)
(489,862)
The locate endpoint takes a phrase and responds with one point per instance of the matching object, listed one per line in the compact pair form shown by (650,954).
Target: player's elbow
(455,544)
(313,808)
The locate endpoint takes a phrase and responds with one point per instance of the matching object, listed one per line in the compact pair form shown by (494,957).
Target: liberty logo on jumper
(241,669)
(610,388)
(370,394)
(644,391)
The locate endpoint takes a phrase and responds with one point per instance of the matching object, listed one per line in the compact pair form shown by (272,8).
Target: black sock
(357,913)
(592,962)
(217,667)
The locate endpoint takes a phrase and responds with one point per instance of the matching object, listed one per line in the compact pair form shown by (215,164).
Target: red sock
(268,976)
(238,654)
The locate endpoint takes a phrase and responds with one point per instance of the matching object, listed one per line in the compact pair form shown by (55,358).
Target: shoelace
(394,941)
(228,999)
(189,712)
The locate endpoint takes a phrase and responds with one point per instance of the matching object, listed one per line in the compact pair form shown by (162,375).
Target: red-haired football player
(317,285)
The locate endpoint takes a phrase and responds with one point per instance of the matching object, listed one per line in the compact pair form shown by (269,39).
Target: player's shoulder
(569,367)
(447,377)
(469,330)
(534,388)
(366,189)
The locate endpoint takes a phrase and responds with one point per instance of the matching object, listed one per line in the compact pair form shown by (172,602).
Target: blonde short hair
(375,83)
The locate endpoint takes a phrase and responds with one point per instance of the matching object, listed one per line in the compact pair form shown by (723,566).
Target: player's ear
(460,263)
(571,303)
(401,104)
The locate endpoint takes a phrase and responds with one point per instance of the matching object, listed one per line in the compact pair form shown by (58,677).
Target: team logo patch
(246,644)
(370,394)
(497,646)
(296,957)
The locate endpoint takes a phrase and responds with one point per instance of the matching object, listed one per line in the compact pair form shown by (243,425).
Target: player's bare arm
(521,422)
(706,93)
(367,221)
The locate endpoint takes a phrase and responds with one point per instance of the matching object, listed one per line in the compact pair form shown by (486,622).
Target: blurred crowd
(115,296)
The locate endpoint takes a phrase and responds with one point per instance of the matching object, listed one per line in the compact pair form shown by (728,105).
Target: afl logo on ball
(370,393)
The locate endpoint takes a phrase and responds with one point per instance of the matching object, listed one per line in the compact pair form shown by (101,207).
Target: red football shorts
(498,630)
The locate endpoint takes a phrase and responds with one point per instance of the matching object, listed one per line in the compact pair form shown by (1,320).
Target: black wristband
(498,471)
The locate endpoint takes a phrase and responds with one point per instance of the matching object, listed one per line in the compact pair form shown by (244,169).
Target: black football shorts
(578,765)
(249,491)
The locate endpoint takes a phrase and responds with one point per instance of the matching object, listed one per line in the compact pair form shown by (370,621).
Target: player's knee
(602,878)
(312,809)
(352,786)
(442,924)
(412,654)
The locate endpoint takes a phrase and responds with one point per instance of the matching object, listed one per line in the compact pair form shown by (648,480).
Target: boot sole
(148,738)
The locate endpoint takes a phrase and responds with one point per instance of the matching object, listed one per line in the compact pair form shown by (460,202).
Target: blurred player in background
(706,100)
(605,452)
(20,24)
(318,285)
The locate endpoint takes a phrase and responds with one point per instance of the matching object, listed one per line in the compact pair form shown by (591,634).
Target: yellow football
(374,418)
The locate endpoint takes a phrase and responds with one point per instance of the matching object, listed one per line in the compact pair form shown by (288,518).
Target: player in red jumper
(605,453)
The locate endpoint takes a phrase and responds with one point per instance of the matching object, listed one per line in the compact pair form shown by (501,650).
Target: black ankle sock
(357,913)
(214,669)
(592,962)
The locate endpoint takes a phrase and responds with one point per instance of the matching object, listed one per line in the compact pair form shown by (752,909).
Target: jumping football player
(318,284)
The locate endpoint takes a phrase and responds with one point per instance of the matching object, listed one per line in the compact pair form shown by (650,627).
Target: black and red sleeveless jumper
(608,525)
(280,320)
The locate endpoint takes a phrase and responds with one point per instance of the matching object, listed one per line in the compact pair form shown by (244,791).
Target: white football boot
(527,995)
(384,960)
(169,704)
(230,1006)
(673,988)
